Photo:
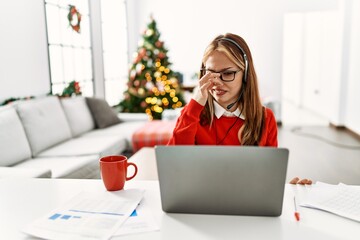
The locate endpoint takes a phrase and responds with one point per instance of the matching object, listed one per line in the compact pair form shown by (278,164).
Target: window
(114,36)
(70,53)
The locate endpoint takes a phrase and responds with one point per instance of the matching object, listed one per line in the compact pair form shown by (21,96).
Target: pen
(297,214)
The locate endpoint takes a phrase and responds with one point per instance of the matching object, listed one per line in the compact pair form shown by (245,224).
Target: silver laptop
(227,180)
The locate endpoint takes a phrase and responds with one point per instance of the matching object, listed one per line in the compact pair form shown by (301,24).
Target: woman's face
(223,92)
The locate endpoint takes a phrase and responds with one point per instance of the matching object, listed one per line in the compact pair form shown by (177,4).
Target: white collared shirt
(220,111)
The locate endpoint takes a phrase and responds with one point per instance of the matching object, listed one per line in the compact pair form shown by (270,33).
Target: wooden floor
(321,153)
(318,151)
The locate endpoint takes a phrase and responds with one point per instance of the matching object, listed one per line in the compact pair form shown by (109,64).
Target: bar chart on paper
(87,216)
(58,216)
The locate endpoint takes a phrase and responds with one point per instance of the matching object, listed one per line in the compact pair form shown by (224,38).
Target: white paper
(341,199)
(140,221)
(87,216)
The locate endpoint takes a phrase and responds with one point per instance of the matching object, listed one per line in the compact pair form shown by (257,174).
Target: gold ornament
(149,32)
(153,100)
(157,74)
(141,91)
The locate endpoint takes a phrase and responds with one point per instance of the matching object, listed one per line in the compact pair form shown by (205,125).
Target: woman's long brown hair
(250,103)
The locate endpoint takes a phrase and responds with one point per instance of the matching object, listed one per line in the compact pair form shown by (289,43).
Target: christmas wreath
(73,12)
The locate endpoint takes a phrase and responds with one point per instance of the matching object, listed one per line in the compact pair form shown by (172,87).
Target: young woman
(226,109)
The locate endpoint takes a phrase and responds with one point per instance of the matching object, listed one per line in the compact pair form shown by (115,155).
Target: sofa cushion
(14,172)
(102,113)
(78,115)
(14,146)
(44,122)
(99,146)
(66,167)
(124,129)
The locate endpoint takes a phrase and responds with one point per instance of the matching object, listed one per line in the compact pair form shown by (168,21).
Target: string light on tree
(152,85)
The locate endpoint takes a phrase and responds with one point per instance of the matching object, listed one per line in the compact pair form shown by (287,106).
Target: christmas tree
(152,85)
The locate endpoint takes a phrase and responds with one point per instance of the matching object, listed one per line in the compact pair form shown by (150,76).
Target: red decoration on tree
(161,55)
(159,44)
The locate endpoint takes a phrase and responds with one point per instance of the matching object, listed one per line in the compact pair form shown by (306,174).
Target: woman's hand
(304,181)
(205,85)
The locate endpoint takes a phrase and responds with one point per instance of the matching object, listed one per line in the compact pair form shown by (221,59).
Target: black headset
(246,61)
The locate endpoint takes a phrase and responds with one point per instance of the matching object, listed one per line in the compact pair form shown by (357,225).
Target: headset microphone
(237,100)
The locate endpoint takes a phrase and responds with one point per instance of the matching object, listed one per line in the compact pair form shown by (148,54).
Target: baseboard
(343,128)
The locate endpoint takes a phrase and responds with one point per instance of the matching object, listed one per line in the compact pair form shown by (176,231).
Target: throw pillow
(78,115)
(102,113)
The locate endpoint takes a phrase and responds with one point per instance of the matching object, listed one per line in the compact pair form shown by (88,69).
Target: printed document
(140,221)
(87,216)
(340,199)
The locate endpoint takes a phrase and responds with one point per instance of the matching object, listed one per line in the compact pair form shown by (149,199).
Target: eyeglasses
(225,76)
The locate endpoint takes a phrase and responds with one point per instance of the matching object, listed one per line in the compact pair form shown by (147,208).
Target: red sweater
(188,130)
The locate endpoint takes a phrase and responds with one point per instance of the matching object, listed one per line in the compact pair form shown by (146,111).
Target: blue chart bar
(133,214)
(63,217)
(55,216)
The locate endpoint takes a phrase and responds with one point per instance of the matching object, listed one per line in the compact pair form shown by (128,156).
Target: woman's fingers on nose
(205,78)
(213,78)
(215,75)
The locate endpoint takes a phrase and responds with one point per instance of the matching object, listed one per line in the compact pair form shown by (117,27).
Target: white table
(145,160)
(24,200)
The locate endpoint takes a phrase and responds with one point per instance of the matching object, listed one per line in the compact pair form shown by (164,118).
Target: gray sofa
(60,138)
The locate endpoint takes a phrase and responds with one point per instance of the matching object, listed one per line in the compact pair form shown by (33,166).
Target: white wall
(321,60)
(24,68)
(188,26)
(312,55)
(293,55)
(352,113)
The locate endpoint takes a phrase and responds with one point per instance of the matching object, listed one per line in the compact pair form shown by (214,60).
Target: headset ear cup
(246,61)
(246,68)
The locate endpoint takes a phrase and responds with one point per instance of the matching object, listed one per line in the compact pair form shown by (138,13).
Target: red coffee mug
(113,171)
